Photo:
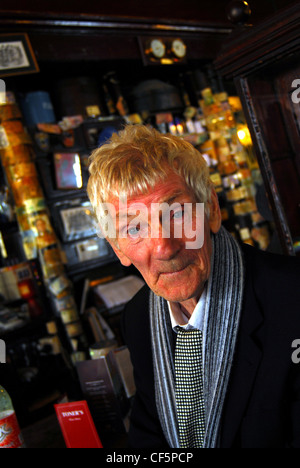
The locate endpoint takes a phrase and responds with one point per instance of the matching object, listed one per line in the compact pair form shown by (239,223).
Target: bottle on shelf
(10,433)
(113,87)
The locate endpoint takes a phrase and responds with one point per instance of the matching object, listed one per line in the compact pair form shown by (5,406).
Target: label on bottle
(10,434)
(93,111)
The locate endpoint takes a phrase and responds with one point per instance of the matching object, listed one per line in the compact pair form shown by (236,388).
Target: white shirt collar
(197,318)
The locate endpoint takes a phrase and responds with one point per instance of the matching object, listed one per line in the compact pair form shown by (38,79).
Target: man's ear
(215,218)
(121,256)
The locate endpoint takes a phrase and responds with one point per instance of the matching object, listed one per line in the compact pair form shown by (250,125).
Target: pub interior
(221,75)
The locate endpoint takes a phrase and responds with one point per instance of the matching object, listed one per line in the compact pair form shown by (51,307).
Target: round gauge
(158,48)
(178,48)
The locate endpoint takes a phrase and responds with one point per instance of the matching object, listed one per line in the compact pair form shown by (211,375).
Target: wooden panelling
(204,11)
(286,175)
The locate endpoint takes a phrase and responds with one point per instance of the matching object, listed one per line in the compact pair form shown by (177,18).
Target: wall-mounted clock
(178,48)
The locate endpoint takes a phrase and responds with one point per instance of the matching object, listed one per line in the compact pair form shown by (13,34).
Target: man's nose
(165,248)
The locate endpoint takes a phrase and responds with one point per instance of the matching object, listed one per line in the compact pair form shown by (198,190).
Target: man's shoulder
(137,309)
(275,277)
(280,265)
(140,299)
(136,324)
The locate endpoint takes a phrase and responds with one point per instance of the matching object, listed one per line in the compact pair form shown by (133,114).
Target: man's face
(170,268)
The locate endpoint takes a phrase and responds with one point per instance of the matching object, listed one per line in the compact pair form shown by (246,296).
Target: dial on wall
(178,48)
(168,50)
(157,48)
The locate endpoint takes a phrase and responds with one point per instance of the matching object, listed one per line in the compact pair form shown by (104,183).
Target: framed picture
(86,252)
(91,248)
(16,55)
(79,221)
(75,219)
(68,171)
(48,175)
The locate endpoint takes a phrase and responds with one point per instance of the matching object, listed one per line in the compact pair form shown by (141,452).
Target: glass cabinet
(264,62)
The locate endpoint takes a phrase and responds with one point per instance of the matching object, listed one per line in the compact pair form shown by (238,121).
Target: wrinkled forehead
(164,190)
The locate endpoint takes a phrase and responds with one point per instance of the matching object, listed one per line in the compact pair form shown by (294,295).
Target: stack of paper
(120,291)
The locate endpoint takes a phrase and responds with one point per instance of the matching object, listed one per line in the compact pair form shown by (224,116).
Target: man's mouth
(173,272)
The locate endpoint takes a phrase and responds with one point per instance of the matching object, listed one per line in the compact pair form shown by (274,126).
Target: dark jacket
(262,406)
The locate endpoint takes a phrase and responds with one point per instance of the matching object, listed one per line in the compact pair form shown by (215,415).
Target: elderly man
(211,334)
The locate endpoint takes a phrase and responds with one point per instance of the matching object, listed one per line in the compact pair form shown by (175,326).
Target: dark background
(206,11)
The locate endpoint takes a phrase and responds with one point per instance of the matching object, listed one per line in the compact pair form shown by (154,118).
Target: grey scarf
(223,306)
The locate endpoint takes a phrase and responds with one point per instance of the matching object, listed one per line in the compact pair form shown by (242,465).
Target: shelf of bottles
(38,236)
(217,127)
(234,169)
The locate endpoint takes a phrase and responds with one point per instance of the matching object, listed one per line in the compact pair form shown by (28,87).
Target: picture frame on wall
(16,55)
(75,219)
(68,173)
(78,221)
(87,251)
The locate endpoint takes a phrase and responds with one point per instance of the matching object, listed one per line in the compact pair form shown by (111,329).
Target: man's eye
(133,231)
(178,214)
(137,231)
